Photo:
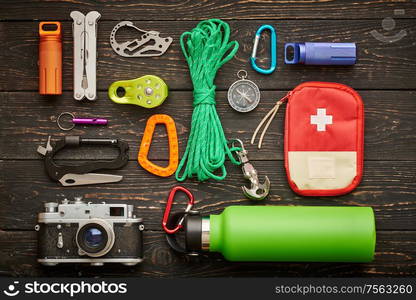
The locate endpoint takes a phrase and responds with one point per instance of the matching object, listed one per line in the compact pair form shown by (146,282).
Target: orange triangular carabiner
(147,141)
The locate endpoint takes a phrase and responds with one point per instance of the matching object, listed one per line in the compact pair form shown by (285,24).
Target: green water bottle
(285,233)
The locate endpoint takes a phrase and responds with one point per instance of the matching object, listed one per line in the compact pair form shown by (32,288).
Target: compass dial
(243,95)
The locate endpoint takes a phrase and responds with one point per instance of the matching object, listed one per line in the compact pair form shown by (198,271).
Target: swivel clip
(257,191)
(168,208)
(273,55)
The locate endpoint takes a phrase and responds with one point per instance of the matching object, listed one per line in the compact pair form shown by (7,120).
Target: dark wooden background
(385,76)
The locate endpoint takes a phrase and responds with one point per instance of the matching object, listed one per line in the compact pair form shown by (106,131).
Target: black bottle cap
(193,232)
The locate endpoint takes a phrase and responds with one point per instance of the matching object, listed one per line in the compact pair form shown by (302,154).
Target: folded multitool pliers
(71,175)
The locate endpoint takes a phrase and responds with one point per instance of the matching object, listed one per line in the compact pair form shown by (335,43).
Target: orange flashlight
(50,58)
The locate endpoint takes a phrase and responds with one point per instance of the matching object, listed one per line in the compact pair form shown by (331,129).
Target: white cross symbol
(321,119)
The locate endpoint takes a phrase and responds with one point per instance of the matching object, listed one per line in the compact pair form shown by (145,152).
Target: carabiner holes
(121,92)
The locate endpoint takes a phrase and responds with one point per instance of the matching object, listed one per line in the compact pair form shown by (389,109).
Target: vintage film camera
(79,232)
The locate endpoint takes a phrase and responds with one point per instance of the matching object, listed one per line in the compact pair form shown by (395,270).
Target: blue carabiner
(272,50)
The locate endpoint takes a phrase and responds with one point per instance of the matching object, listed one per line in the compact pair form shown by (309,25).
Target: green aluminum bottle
(285,233)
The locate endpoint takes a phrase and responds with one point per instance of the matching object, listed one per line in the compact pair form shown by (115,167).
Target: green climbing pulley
(147,91)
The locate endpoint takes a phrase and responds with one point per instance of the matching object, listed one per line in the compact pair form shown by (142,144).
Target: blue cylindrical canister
(320,53)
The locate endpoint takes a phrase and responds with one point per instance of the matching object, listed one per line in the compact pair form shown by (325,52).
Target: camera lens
(95,239)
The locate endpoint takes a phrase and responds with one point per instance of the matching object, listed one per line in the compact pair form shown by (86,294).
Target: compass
(243,95)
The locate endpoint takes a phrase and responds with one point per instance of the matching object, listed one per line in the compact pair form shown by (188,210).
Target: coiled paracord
(206,48)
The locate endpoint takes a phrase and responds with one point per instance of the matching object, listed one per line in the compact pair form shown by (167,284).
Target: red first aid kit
(324,139)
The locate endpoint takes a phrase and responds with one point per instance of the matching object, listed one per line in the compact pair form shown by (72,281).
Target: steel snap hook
(273,55)
(168,208)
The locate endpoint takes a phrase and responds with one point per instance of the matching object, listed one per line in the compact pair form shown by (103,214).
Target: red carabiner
(171,197)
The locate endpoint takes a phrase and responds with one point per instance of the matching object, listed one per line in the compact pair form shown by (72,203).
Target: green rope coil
(206,48)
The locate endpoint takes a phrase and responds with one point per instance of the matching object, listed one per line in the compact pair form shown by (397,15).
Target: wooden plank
(388,187)
(390,118)
(384,76)
(380,65)
(196,9)
(395,256)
